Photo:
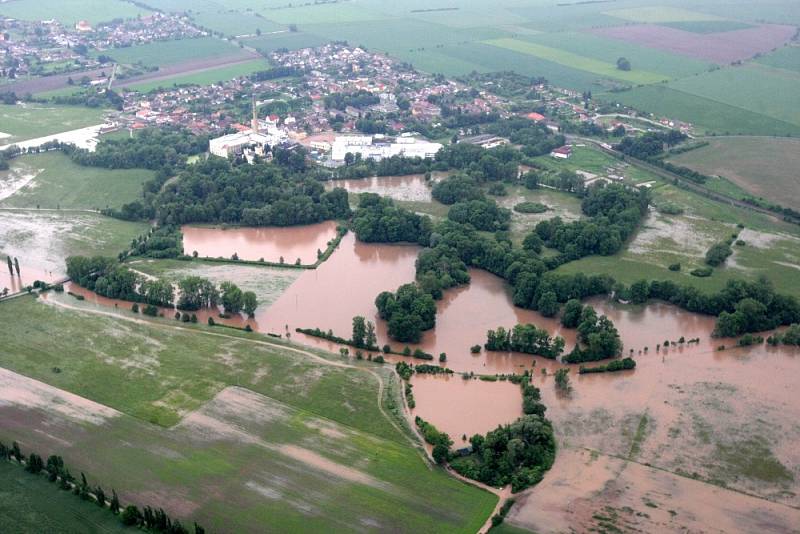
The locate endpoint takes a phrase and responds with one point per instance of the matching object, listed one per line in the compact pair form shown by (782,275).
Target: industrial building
(379,147)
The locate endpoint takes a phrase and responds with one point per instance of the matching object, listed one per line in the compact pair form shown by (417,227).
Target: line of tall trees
(55,471)
(108,278)
(525,338)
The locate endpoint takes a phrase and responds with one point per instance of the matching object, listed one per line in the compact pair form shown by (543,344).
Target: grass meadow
(29,121)
(202,76)
(58,182)
(29,505)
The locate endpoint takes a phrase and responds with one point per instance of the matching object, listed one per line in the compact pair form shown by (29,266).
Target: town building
(562,152)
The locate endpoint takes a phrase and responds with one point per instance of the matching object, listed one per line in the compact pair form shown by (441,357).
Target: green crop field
(755,88)
(279,433)
(290,40)
(29,121)
(320,13)
(233,23)
(601,68)
(763,166)
(68,12)
(608,50)
(708,26)
(203,76)
(657,14)
(787,58)
(29,505)
(58,182)
(164,53)
(709,115)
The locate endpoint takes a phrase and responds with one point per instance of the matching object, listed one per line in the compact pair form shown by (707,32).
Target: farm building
(562,152)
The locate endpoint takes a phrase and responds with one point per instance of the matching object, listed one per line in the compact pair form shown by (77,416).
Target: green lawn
(30,505)
(320,13)
(606,68)
(656,14)
(68,12)
(708,26)
(164,53)
(295,436)
(59,182)
(204,77)
(29,121)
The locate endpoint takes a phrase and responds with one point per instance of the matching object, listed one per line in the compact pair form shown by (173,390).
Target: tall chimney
(254,123)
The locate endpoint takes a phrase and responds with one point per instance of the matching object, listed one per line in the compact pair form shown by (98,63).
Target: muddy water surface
(411,187)
(270,243)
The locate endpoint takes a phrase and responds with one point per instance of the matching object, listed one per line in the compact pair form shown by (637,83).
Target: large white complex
(379,147)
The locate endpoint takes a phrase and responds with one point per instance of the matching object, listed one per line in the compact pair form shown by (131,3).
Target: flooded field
(254,244)
(411,188)
(693,436)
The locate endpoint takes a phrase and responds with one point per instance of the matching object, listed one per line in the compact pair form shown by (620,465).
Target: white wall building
(249,141)
(378,147)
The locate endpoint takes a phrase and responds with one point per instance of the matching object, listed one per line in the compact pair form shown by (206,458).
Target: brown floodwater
(465,407)
(411,187)
(27,277)
(269,243)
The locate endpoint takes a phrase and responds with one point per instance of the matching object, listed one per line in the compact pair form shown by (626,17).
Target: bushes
(717,254)
(530,207)
(441,442)
(675,267)
(702,272)
(611,367)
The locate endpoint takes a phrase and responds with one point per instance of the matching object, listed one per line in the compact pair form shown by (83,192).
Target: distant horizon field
(69,12)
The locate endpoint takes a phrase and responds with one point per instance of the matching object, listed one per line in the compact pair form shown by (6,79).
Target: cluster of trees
(159,242)
(153,149)
(741,306)
(110,279)
(217,191)
(456,188)
(526,338)
(440,440)
(150,519)
(378,220)
(516,454)
(536,138)
(440,268)
(532,400)
(614,210)
(649,145)
(357,99)
(791,336)
(483,214)
(598,338)
(275,73)
(364,336)
(408,312)
(717,254)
